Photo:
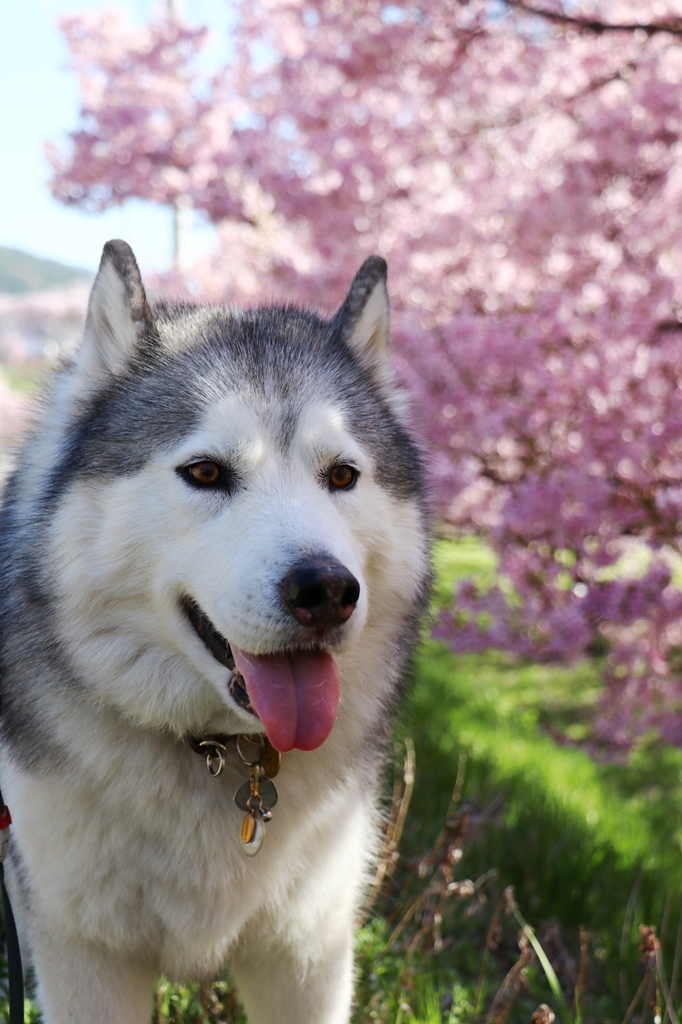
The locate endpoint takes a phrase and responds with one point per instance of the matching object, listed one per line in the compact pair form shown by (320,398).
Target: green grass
(488,709)
(509,830)
(505,717)
(583,842)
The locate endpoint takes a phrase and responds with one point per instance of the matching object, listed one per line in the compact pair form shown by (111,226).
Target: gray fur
(101,675)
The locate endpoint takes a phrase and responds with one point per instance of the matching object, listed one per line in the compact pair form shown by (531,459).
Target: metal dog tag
(252,833)
(266,792)
(271,759)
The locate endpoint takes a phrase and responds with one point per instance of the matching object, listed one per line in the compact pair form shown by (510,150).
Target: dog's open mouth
(294,693)
(219,648)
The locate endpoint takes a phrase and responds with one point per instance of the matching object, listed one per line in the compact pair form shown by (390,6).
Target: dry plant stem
(641,993)
(454,800)
(502,1003)
(673,977)
(665,918)
(580,988)
(665,988)
(396,822)
(624,937)
(408,789)
(432,921)
(489,943)
(397,931)
(436,885)
(651,999)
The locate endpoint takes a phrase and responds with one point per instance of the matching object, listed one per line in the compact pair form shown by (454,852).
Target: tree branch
(674,26)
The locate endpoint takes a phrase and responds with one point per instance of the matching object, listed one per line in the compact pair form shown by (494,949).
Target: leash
(15,974)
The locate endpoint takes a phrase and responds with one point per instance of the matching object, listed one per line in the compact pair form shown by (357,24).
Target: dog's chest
(155,860)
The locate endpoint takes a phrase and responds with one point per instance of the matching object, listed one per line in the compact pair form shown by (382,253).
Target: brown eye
(342,477)
(203,474)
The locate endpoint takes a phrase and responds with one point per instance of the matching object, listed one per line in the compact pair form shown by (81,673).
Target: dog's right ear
(119,324)
(363,319)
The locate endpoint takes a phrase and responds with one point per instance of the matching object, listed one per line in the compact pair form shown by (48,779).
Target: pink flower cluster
(523,177)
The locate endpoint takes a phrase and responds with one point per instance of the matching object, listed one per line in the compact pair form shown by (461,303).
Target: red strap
(5,817)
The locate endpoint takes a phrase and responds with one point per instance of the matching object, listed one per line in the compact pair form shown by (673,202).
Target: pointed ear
(119,323)
(362,320)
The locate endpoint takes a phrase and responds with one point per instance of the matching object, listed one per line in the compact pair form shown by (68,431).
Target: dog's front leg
(276,988)
(80,983)
(293,963)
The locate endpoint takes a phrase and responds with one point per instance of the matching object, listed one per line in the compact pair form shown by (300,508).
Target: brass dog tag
(270,760)
(248,828)
(252,833)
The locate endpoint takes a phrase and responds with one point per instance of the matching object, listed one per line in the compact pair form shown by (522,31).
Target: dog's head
(238,508)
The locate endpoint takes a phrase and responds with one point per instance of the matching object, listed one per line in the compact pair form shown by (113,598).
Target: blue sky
(39,101)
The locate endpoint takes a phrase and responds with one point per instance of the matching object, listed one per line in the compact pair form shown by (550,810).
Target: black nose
(320,593)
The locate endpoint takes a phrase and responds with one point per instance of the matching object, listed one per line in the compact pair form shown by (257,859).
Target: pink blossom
(523,179)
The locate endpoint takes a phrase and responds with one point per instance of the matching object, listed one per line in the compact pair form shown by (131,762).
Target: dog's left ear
(119,324)
(363,318)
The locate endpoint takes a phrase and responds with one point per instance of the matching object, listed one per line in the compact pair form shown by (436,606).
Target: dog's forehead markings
(323,426)
(232,427)
(322,417)
(236,425)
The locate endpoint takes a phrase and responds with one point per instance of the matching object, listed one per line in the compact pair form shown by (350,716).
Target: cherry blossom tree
(520,170)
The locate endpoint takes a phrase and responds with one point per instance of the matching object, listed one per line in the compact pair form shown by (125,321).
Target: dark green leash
(15,974)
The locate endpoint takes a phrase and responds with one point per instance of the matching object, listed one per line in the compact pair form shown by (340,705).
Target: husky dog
(213,544)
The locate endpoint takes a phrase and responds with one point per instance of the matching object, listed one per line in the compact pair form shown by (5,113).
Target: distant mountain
(21,272)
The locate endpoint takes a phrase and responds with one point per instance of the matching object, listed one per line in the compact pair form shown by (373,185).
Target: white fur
(132,851)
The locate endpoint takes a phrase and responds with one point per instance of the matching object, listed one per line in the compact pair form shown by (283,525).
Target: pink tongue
(296,695)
